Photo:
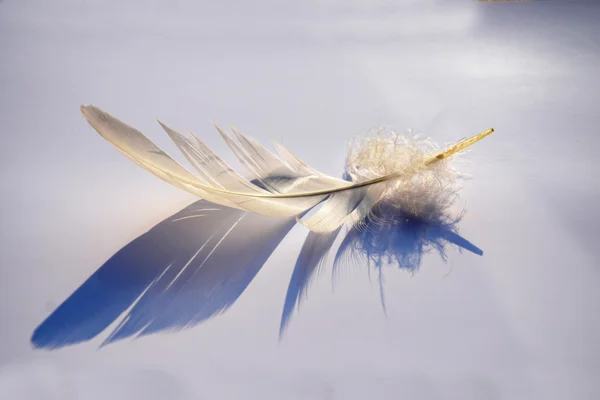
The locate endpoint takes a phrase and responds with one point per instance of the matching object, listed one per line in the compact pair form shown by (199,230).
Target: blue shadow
(388,236)
(188,268)
(195,264)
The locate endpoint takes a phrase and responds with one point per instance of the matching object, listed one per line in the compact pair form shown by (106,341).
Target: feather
(197,263)
(381,168)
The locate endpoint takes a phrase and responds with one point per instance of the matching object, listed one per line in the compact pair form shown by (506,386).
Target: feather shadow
(190,267)
(195,264)
(387,236)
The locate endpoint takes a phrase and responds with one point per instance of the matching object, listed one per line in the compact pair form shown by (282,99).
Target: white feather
(389,166)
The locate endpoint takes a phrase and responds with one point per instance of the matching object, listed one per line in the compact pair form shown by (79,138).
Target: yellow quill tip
(460,146)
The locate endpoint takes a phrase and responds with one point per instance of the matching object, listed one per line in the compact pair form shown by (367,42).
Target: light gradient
(521,322)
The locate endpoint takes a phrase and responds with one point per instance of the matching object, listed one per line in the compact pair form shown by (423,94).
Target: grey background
(521,322)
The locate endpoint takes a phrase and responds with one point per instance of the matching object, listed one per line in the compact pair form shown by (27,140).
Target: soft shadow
(195,264)
(188,268)
(388,236)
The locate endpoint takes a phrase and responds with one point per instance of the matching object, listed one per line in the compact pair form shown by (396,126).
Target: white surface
(521,322)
